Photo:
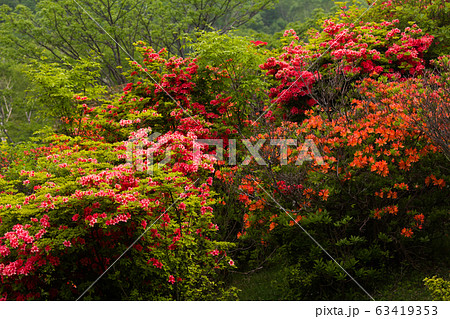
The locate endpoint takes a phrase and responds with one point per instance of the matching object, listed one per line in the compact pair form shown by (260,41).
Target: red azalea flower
(258,43)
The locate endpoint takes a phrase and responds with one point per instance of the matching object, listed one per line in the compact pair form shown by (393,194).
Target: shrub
(439,288)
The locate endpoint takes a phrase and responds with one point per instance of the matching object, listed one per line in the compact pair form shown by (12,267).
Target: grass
(408,285)
(403,284)
(264,284)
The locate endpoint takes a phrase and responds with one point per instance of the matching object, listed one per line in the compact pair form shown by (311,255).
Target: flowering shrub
(377,193)
(66,221)
(431,16)
(346,50)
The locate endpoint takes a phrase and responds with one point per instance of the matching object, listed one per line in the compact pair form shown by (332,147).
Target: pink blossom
(214,252)
(156,263)
(44,221)
(4,251)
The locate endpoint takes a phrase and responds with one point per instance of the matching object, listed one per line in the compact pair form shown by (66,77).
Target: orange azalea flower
(404,165)
(354,140)
(247,188)
(260,204)
(410,151)
(379,194)
(308,192)
(361,161)
(393,210)
(324,193)
(377,213)
(407,232)
(392,194)
(325,167)
(368,149)
(420,218)
(244,198)
(438,182)
(428,180)
(381,168)
(397,145)
(401,186)
(380,141)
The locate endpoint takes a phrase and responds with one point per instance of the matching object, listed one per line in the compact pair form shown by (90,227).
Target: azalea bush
(373,201)
(376,200)
(324,69)
(431,16)
(67,220)
(66,223)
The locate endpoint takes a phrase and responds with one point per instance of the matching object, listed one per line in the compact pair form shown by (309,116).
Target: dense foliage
(122,199)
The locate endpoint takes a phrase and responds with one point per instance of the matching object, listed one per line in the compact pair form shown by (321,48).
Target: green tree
(63,28)
(13,3)
(18,117)
(285,12)
(54,87)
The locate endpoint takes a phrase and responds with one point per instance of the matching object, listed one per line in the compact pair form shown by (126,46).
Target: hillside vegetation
(224,150)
